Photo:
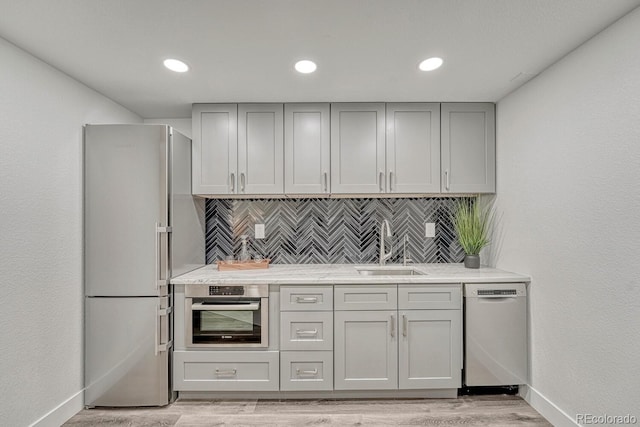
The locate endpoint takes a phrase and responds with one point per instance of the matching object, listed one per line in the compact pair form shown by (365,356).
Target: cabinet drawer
(429,297)
(306,330)
(305,298)
(225,370)
(366,297)
(306,370)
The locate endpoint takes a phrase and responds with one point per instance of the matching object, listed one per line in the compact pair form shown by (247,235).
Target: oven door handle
(253,306)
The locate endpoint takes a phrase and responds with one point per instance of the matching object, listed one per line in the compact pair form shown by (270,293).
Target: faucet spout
(385,231)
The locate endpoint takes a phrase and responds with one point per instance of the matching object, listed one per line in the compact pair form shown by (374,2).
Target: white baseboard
(63,412)
(546,408)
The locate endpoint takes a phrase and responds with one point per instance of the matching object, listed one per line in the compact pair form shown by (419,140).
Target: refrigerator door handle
(161,346)
(161,259)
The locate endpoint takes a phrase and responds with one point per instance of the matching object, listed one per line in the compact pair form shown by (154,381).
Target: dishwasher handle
(500,294)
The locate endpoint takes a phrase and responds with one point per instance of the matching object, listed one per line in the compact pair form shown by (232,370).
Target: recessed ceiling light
(430,64)
(305,66)
(176,65)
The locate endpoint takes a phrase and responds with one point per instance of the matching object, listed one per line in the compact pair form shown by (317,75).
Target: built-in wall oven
(226,316)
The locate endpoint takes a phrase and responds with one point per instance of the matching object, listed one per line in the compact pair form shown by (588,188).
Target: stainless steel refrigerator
(141,227)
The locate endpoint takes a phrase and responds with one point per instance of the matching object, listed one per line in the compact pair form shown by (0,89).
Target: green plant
(471,220)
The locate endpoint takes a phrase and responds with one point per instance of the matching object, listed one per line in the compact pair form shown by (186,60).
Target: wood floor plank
(494,411)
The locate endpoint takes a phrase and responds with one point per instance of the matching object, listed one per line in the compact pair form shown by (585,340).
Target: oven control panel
(226,290)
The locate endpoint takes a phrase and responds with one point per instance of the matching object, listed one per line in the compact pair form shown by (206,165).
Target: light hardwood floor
(493,410)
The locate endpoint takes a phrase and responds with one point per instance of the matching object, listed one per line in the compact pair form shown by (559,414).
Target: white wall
(41,116)
(569,192)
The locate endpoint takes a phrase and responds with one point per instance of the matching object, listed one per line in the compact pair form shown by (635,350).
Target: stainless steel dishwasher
(495,334)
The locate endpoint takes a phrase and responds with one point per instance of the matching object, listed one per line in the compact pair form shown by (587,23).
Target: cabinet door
(430,349)
(357,148)
(215,148)
(413,148)
(260,149)
(306,148)
(366,350)
(468,148)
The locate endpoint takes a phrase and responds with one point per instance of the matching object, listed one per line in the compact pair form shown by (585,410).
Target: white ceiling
(244,50)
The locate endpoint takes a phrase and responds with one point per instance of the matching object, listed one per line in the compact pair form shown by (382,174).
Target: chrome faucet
(405,256)
(385,231)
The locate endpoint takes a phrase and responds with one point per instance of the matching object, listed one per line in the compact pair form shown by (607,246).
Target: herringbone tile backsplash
(331,231)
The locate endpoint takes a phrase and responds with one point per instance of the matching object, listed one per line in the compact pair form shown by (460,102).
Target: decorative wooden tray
(243,265)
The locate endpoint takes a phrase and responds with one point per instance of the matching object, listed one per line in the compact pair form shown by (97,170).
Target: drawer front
(225,370)
(306,370)
(429,297)
(306,298)
(366,297)
(307,330)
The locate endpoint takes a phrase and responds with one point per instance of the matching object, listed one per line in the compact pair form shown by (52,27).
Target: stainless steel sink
(388,271)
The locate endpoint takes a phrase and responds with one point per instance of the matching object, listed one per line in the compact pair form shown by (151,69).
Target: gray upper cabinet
(238,149)
(307,147)
(358,148)
(215,148)
(260,149)
(343,148)
(413,148)
(468,148)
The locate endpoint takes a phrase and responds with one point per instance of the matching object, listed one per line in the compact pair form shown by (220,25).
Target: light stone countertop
(330,274)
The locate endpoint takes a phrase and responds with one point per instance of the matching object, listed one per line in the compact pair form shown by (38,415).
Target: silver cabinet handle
(233,182)
(326,182)
(304,372)
(446,179)
(242,181)
(390,180)
(393,326)
(307,299)
(226,372)
(309,332)
(381,181)
(404,325)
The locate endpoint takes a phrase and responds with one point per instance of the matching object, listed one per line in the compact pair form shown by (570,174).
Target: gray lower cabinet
(306,370)
(366,350)
(306,330)
(412,341)
(306,298)
(430,349)
(306,338)
(225,370)
(468,144)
